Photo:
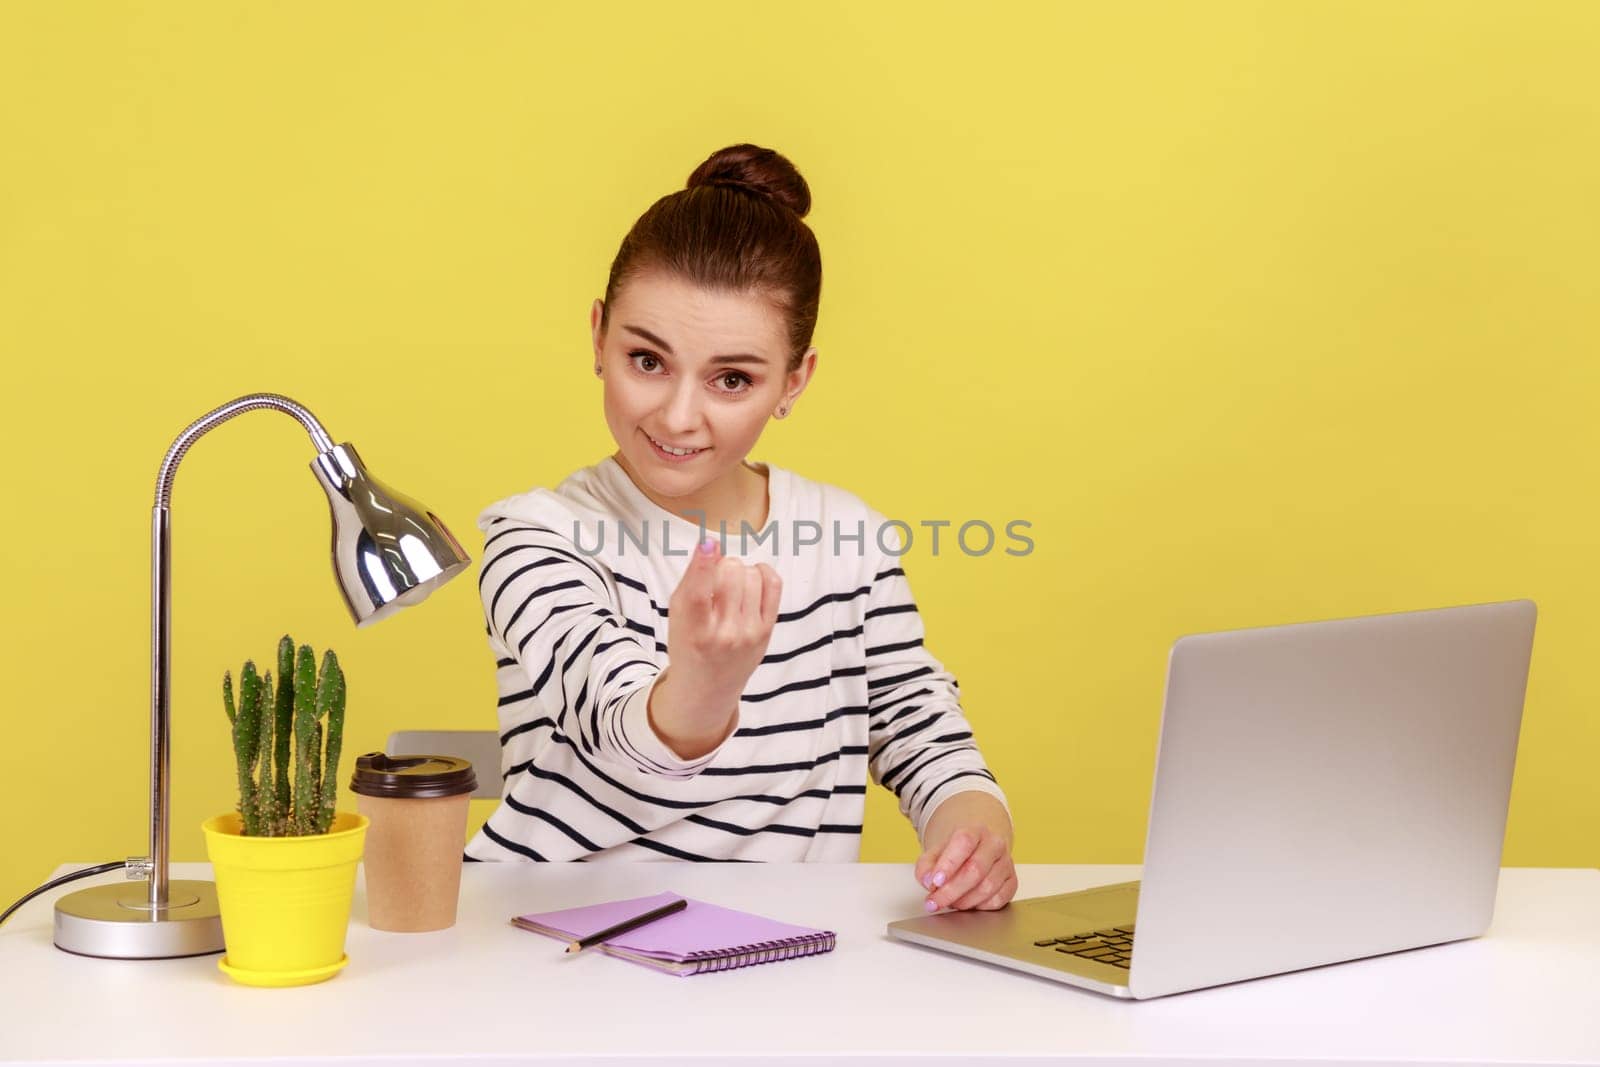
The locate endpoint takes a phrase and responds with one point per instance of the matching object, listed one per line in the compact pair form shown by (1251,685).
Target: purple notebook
(701,937)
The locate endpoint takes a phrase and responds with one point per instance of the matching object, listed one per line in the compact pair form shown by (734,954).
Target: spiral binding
(762,952)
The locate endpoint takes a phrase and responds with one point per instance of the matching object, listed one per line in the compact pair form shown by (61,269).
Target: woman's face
(692,369)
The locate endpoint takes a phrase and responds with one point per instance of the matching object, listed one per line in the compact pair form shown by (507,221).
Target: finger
(1007,894)
(924,867)
(952,856)
(988,887)
(750,607)
(965,877)
(771,593)
(730,590)
(698,584)
(971,873)
(1002,896)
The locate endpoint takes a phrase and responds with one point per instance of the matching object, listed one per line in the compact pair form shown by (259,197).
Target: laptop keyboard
(1113,945)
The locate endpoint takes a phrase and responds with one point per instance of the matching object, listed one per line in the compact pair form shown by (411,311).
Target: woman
(747,729)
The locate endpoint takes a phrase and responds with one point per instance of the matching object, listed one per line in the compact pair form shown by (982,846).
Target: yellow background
(1258,312)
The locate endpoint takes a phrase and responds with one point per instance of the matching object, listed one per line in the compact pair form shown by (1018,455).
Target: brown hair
(735,226)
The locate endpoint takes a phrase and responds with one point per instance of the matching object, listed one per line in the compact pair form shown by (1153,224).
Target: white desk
(485,992)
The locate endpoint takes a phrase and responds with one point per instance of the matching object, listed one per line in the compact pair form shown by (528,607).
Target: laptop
(1323,792)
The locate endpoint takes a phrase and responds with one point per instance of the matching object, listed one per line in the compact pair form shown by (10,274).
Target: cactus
(330,701)
(266,796)
(305,739)
(247,745)
(283,726)
(266,721)
(313,805)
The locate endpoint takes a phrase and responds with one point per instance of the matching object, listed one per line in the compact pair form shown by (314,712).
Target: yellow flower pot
(285,901)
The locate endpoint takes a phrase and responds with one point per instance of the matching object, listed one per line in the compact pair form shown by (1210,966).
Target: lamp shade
(389,551)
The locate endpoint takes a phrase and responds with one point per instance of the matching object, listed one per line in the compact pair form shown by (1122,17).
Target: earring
(783,410)
(597,370)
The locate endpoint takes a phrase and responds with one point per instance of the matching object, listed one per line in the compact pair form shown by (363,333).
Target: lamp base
(117,922)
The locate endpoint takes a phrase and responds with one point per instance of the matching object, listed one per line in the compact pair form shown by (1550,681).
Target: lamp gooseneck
(216,417)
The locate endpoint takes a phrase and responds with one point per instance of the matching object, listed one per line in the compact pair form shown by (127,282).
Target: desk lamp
(389,551)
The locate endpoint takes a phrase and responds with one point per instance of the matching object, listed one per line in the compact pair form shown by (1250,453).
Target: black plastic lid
(378,775)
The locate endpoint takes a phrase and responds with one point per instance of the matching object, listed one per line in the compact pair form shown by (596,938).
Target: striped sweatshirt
(575,584)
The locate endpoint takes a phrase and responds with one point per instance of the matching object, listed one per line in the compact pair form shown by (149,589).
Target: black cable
(63,880)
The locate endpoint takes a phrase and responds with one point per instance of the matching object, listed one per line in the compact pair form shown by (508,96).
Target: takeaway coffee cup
(418,811)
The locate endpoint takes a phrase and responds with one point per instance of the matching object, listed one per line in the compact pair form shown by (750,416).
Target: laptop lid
(1327,791)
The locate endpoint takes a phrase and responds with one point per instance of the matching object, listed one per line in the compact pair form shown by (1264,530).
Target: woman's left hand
(966,859)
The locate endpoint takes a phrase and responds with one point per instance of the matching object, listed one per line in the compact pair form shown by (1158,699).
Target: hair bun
(759,170)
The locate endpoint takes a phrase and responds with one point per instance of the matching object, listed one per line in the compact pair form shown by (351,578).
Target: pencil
(628,924)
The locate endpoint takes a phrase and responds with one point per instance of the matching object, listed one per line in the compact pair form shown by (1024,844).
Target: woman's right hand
(719,622)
